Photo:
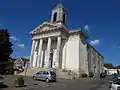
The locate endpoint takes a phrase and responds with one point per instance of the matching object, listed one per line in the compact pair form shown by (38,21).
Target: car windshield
(52,73)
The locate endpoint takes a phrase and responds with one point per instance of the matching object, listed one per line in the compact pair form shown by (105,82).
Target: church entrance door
(51,60)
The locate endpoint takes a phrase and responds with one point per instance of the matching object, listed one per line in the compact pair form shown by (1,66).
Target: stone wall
(61,73)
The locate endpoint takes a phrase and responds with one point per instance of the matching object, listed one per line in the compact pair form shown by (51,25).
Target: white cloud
(95,42)
(13,38)
(21,45)
(86,28)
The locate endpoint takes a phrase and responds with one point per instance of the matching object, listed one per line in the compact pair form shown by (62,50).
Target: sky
(101,18)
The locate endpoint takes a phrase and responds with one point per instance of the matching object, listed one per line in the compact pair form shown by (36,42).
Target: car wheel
(47,80)
(34,77)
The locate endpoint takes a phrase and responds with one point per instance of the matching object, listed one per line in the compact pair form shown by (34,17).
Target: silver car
(45,75)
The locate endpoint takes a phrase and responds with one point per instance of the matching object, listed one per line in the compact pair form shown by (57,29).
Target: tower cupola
(59,14)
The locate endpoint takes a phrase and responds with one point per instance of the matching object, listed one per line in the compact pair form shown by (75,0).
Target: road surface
(81,84)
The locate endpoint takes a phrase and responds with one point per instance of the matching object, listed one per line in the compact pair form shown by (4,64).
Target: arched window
(63,17)
(55,17)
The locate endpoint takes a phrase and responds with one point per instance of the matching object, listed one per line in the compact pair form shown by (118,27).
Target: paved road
(82,84)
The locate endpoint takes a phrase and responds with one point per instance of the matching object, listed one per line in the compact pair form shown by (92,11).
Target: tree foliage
(5,46)
(108,65)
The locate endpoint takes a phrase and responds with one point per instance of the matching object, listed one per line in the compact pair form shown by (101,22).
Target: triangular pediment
(47,26)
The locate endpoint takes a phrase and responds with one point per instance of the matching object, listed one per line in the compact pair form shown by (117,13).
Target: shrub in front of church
(84,75)
(64,70)
(91,74)
(69,72)
(19,82)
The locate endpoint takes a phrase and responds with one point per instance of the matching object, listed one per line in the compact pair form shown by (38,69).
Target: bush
(69,72)
(84,75)
(64,70)
(19,81)
(91,74)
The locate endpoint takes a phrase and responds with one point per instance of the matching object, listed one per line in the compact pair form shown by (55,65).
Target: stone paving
(81,84)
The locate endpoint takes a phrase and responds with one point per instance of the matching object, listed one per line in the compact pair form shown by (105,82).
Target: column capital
(33,41)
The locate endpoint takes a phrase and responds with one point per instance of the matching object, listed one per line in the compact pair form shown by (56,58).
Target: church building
(55,46)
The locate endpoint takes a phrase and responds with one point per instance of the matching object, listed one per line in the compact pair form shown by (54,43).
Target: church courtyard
(81,84)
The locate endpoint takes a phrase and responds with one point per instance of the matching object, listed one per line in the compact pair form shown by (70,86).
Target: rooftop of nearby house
(23,59)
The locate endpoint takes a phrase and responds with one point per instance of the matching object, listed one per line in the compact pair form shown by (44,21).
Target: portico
(46,52)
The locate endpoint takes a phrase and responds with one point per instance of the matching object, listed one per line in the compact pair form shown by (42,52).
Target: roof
(74,31)
(48,26)
(79,31)
(94,48)
(59,6)
(11,59)
(23,59)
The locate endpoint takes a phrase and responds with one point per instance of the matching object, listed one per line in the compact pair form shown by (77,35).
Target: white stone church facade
(54,46)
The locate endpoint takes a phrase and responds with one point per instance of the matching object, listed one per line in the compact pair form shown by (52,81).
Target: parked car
(45,75)
(1,79)
(115,84)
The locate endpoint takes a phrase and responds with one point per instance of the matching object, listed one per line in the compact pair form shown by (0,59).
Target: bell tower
(59,14)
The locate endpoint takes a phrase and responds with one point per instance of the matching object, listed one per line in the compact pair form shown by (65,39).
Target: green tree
(5,48)
(108,65)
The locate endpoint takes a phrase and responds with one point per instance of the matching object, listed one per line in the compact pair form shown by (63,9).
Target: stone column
(32,53)
(39,52)
(58,52)
(35,54)
(48,53)
(64,57)
(54,58)
(42,61)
